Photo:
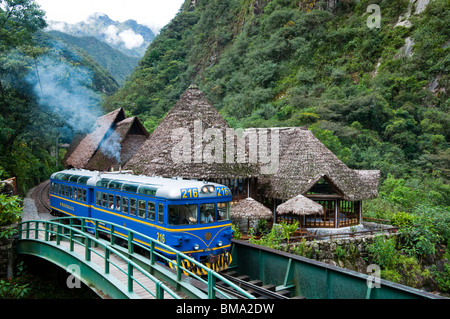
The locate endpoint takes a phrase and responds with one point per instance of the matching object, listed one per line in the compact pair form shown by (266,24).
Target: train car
(189,215)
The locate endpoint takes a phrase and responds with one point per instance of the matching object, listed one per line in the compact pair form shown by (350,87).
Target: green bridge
(118,271)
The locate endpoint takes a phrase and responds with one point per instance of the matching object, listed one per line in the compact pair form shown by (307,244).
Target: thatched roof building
(190,143)
(305,162)
(112,143)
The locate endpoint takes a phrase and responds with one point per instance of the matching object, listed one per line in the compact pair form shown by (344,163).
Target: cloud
(131,39)
(57,26)
(128,37)
(111,34)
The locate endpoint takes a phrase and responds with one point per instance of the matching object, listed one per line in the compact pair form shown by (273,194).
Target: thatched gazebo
(300,205)
(250,209)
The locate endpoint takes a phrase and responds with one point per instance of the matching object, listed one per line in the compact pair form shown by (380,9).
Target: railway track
(41,196)
(254,287)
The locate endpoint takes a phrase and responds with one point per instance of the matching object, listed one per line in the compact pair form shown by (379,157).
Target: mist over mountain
(129,37)
(118,64)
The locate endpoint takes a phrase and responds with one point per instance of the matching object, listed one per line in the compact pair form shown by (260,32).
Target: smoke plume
(65,88)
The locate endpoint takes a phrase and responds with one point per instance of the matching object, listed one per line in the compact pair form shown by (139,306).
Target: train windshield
(183,214)
(223,211)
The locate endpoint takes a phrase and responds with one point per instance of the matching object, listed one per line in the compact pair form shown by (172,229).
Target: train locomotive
(189,215)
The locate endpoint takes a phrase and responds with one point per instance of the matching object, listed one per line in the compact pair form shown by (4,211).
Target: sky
(153,13)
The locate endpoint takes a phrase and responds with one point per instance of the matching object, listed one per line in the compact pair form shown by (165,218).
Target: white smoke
(112,147)
(65,89)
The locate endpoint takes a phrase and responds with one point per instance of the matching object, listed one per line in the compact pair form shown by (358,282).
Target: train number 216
(189,193)
(161,238)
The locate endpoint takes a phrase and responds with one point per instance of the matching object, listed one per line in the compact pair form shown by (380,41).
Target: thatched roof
(80,155)
(300,205)
(184,144)
(304,160)
(103,147)
(127,137)
(250,208)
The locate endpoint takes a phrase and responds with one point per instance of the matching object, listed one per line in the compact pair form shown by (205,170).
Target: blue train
(191,216)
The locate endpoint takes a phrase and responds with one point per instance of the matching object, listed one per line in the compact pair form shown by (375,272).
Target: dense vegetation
(43,84)
(278,63)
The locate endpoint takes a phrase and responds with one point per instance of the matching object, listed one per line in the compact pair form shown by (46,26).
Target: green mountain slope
(129,37)
(377,97)
(119,65)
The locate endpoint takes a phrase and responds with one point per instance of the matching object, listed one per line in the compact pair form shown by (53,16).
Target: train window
(207,213)
(161,213)
(133,206)
(105,200)
(117,203)
(84,196)
(147,190)
(70,192)
(98,198)
(80,194)
(141,208)
(151,211)
(83,180)
(132,188)
(104,182)
(223,211)
(183,214)
(111,201)
(115,185)
(73,178)
(66,191)
(74,193)
(125,205)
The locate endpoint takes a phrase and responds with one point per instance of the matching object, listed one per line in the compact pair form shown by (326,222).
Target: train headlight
(204,189)
(196,246)
(220,243)
(211,189)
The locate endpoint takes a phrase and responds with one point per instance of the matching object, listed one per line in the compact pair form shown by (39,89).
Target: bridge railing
(53,230)
(90,231)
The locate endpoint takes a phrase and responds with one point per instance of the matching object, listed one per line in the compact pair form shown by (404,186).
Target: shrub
(402,219)
(383,252)
(10,210)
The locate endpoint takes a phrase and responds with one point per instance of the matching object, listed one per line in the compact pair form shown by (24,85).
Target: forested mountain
(129,37)
(118,64)
(370,78)
(48,91)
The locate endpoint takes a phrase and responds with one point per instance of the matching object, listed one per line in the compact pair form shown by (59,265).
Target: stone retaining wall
(350,252)
(8,254)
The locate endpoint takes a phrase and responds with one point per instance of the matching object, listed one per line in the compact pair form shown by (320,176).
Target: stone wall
(7,254)
(347,252)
